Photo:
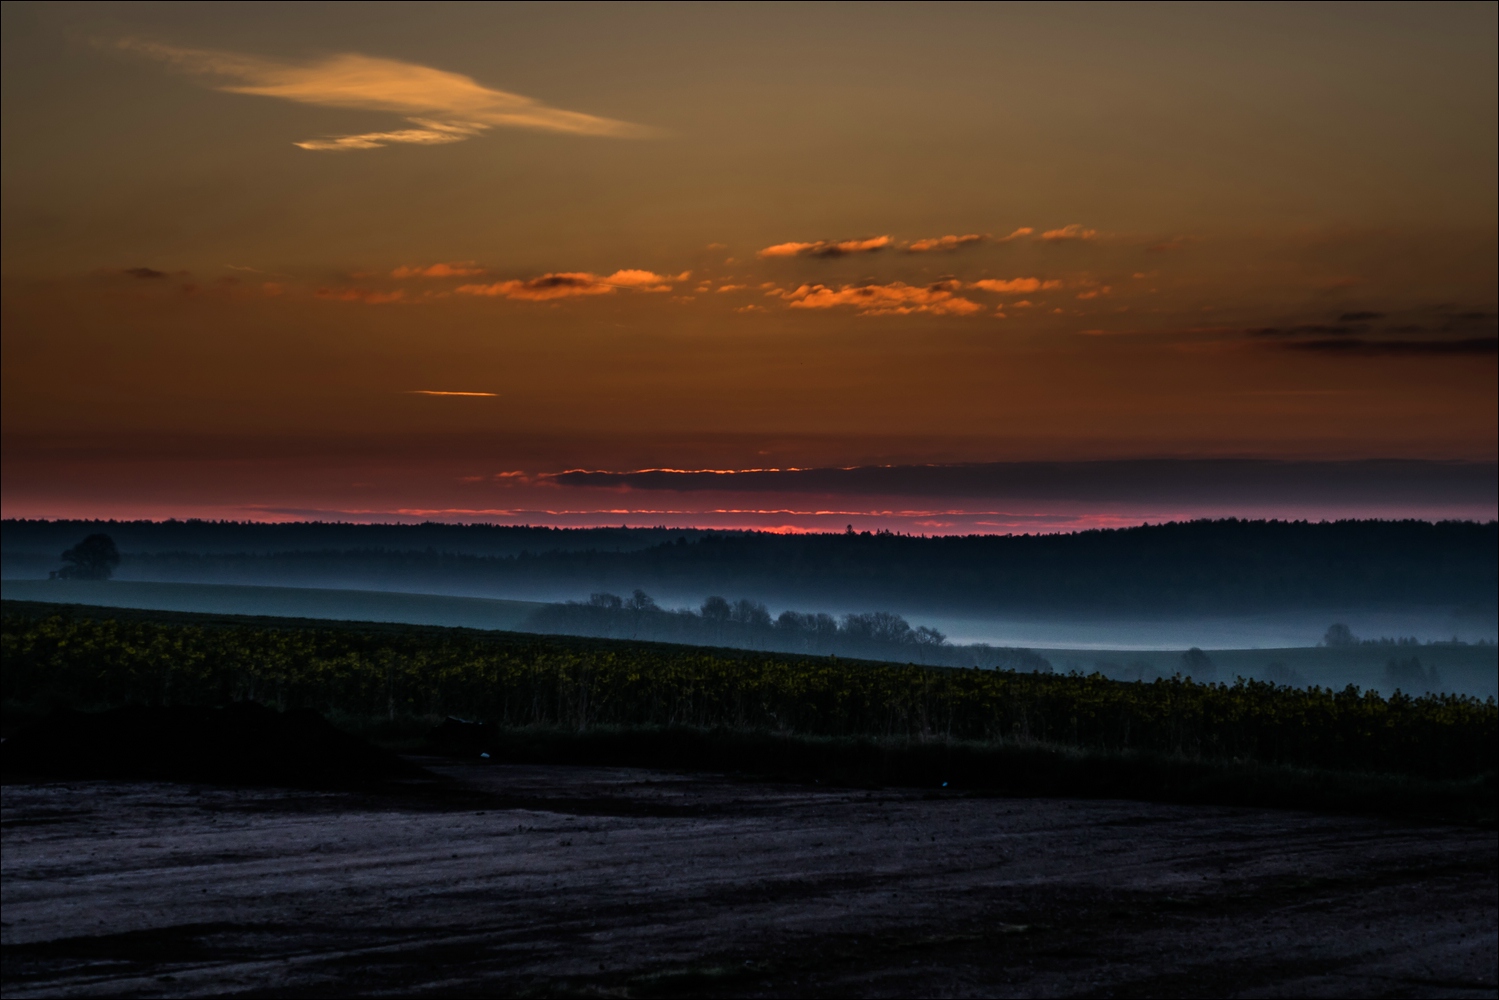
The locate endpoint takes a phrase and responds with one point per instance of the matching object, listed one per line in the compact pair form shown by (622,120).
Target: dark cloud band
(1183,480)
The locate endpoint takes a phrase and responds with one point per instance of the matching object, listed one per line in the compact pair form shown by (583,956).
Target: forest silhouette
(1189,567)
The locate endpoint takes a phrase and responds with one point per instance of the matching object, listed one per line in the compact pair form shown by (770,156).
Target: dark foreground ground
(520,880)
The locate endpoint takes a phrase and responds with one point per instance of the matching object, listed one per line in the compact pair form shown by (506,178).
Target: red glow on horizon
(772,521)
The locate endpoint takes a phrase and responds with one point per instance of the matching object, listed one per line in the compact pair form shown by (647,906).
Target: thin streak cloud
(1015,286)
(446,392)
(1068,234)
(570,284)
(443,107)
(827,248)
(1398,348)
(945,243)
(894,299)
(437,271)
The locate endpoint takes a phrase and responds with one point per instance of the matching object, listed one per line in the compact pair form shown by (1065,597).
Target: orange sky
(428,244)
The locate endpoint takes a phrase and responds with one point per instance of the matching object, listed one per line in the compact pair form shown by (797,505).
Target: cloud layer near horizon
(444,107)
(1388,481)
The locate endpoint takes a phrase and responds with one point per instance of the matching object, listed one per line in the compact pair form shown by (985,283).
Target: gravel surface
(506,880)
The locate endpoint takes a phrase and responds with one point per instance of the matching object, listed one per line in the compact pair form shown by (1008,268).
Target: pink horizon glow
(1053,518)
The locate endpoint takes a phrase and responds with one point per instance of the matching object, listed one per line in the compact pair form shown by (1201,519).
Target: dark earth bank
(241,743)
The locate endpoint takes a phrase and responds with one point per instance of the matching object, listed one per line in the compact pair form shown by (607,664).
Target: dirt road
(579,881)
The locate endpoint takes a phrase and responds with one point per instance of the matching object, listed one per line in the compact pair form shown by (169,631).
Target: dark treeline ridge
(747,624)
(87,659)
(194,536)
(1181,567)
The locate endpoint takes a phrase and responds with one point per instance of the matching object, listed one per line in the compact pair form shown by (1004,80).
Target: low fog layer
(1382,664)
(1264,630)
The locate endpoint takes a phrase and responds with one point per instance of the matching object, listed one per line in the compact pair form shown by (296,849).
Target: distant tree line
(197,536)
(747,624)
(1197,566)
(1340,636)
(1408,675)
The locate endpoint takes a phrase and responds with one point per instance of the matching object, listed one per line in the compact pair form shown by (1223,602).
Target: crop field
(520,681)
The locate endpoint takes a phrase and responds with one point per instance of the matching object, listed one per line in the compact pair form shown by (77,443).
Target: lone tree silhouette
(1339,635)
(94,558)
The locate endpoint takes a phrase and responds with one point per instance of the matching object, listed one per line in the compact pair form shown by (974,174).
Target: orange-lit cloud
(827,248)
(1068,233)
(567,284)
(645,281)
(730,288)
(894,299)
(446,392)
(1015,286)
(437,271)
(944,243)
(444,107)
(1022,231)
(1094,293)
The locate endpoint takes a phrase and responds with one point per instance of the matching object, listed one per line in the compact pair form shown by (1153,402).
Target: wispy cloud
(944,243)
(894,299)
(1015,286)
(442,107)
(1367,347)
(1441,331)
(366,295)
(446,392)
(568,284)
(463,270)
(1068,233)
(1017,234)
(1167,246)
(827,248)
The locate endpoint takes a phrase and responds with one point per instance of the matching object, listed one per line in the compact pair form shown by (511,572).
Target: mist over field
(1125,603)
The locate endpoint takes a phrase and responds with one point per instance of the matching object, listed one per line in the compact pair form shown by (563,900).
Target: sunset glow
(256,259)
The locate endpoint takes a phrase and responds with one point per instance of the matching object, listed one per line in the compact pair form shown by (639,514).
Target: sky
(404,261)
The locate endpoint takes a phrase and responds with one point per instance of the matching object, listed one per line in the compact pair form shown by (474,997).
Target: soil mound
(242,743)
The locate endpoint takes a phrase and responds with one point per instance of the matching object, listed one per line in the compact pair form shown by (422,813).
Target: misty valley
(1267,599)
